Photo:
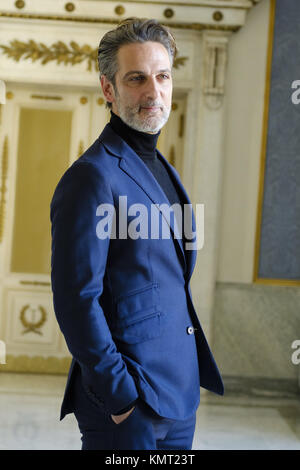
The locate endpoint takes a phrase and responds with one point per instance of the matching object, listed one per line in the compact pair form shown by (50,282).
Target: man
(122,298)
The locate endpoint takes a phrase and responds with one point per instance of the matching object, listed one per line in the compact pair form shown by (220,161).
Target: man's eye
(137,78)
(164,76)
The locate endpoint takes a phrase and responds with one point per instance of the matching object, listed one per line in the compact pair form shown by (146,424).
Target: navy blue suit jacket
(124,305)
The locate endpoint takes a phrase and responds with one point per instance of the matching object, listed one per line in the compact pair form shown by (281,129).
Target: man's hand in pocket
(119,418)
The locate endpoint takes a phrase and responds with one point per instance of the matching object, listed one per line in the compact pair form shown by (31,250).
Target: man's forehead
(140,56)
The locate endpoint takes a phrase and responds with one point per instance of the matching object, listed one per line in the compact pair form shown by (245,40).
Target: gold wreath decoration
(60,52)
(32,326)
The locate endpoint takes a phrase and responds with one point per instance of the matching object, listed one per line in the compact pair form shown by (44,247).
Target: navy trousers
(143,429)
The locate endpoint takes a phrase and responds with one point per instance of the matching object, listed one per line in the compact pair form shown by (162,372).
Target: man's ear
(108,89)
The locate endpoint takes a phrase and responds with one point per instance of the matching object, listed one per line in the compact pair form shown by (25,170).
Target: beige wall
(243,133)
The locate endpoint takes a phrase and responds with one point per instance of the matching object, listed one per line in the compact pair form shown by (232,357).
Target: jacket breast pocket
(138,315)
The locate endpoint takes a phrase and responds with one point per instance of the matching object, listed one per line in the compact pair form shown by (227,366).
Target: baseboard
(261,387)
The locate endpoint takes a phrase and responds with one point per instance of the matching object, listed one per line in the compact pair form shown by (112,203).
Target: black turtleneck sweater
(144,145)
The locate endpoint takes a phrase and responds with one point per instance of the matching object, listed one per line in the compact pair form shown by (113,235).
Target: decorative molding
(36,364)
(46,97)
(114,21)
(215,60)
(4,170)
(232,4)
(33,326)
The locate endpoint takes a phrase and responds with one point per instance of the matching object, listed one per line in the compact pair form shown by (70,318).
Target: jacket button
(190,330)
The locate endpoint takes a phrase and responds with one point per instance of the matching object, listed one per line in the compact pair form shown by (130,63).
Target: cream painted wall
(245,88)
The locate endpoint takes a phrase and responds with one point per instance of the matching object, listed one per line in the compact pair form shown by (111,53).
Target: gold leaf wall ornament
(59,51)
(33,326)
(4,170)
(179,61)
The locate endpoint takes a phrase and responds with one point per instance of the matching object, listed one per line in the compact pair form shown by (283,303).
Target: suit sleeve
(78,264)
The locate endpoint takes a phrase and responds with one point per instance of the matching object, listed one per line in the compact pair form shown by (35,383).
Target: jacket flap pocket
(138,305)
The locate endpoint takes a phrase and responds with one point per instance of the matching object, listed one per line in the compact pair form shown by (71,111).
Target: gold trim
(36,283)
(264,141)
(277,282)
(82,19)
(3,188)
(256,279)
(36,364)
(46,97)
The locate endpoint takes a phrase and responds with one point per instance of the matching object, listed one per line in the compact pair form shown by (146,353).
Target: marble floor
(29,409)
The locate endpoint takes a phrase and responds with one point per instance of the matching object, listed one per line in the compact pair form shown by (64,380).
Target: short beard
(131,116)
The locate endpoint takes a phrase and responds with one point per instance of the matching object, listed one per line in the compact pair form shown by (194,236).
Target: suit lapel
(138,171)
(190,254)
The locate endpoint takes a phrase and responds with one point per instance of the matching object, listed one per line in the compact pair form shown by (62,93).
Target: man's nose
(152,89)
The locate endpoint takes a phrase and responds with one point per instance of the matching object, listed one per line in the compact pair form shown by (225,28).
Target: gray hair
(131,30)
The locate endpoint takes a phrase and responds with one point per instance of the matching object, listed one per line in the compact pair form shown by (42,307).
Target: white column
(207,171)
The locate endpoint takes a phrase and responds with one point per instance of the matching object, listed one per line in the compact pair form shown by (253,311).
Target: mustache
(150,104)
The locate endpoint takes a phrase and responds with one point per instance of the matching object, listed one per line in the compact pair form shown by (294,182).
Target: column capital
(215,51)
